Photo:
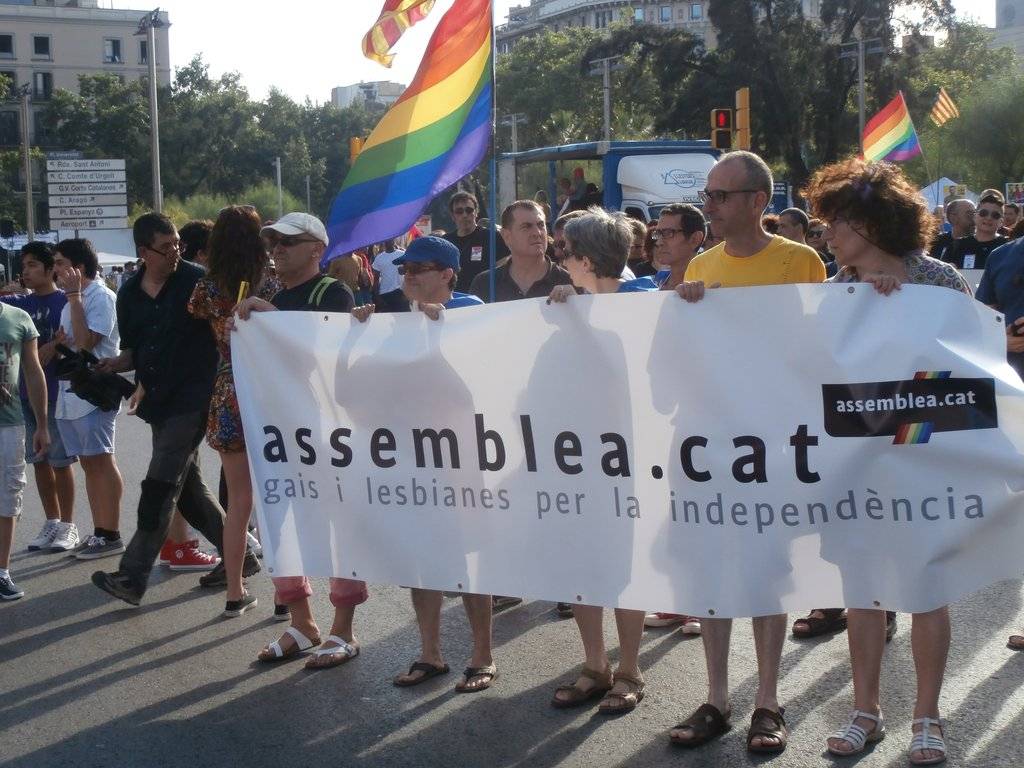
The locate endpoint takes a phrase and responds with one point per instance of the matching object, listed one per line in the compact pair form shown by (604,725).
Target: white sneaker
(66,538)
(45,537)
(254,544)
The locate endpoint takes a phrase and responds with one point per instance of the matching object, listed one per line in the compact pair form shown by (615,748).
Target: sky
(306,47)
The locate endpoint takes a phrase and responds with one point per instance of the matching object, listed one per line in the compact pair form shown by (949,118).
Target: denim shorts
(12,470)
(89,435)
(56,456)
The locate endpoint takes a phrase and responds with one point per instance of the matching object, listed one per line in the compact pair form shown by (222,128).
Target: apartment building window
(41,47)
(602,19)
(143,52)
(42,85)
(6,46)
(666,13)
(638,14)
(9,129)
(112,50)
(696,11)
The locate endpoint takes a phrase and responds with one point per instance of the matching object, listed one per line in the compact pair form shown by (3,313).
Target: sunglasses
(815,233)
(986,214)
(720,196)
(461,211)
(416,268)
(290,241)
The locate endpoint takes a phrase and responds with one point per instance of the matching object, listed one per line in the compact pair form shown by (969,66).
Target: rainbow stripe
(919,432)
(396,17)
(436,133)
(890,135)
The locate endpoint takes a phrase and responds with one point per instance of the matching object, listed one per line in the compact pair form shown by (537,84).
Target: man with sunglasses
(739,189)
(175,360)
(472,240)
(971,251)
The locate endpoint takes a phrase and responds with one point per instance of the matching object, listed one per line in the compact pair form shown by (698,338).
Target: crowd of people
(171,320)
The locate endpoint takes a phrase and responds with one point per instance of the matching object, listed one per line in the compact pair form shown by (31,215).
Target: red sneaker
(691,625)
(187,556)
(167,553)
(660,619)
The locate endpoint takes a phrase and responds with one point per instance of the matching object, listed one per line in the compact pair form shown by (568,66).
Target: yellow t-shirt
(781,261)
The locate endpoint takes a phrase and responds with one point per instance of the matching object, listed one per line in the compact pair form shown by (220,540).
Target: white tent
(108,260)
(935,193)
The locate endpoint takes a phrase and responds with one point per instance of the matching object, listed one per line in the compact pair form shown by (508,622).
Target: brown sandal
(769,724)
(1016,642)
(577,696)
(615,703)
(832,620)
(707,723)
(490,672)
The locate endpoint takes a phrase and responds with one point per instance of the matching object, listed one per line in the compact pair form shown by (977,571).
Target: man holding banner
(739,189)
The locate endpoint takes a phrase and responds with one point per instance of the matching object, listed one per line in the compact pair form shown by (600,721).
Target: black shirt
(334,296)
(968,253)
(474,255)
(940,245)
(505,288)
(174,353)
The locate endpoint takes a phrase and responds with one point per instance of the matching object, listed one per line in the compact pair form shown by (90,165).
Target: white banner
(766,450)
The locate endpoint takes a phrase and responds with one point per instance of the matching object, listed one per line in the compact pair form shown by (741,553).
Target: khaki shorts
(12,470)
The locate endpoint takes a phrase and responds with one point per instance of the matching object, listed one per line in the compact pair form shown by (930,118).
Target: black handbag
(102,389)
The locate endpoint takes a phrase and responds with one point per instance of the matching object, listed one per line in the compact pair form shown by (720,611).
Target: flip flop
(274,653)
(428,670)
(335,655)
(490,672)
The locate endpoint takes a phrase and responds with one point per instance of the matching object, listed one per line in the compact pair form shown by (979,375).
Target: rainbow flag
(918,433)
(396,17)
(436,133)
(890,135)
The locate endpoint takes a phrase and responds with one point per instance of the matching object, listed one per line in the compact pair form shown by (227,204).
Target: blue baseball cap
(433,249)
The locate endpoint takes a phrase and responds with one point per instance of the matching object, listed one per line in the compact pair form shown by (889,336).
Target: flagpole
(493,194)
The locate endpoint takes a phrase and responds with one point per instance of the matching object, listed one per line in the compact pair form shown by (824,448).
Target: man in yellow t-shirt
(739,189)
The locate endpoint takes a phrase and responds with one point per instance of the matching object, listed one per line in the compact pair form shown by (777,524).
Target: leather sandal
(1015,643)
(490,672)
(273,652)
(615,703)
(325,657)
(831,620)
(706,723)
(576,696)
(769,724)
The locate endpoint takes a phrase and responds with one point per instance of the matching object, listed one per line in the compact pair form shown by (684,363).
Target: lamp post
(26,158)
(857,49)
(515,120)
(148,26)
(605,67)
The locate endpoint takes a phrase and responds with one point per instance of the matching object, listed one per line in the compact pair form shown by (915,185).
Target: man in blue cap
(430,271)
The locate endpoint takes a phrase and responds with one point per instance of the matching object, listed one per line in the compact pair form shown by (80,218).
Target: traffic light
(743,118)
(721,128)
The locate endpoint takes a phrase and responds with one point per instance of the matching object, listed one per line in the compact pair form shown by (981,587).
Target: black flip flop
(428,670)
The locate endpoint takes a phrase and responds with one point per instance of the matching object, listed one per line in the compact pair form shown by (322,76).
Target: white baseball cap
(299,224)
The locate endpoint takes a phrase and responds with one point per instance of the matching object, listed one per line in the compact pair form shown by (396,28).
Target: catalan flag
(890,135)
(944,109)
(436,133)
(396,17)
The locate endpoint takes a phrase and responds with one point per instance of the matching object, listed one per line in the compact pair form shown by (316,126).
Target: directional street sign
(87,193)
(87,176)
(72,201)
(85,165)
(119,223)
(98,188)
(96,212)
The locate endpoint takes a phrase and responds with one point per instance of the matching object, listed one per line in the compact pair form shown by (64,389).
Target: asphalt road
(87,681)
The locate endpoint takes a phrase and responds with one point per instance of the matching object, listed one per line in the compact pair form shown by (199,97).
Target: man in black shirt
(175,361)
(960,215)
(529,274)
(472,240)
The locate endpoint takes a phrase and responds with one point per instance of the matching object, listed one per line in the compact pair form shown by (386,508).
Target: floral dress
(208,302)
(921,270)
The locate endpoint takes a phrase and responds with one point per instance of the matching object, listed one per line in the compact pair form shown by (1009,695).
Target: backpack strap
(317,294)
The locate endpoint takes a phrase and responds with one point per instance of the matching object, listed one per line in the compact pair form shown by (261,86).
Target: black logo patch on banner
(910,410)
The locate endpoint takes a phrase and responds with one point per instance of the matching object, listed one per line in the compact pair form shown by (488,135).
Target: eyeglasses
(415,268)
(461,211)
(666,233)
(290,241)
(987,214)
(719,196)
(170,250)
(815,232)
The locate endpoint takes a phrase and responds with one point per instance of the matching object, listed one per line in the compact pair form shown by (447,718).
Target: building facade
(381,91)
(691,15)
(1009,31)
(47,44)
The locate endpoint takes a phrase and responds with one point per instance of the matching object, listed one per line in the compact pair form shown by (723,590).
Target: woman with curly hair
(236,256)
(878,227)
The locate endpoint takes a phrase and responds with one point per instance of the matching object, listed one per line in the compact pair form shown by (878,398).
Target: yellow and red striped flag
(396,17)
(944,109)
